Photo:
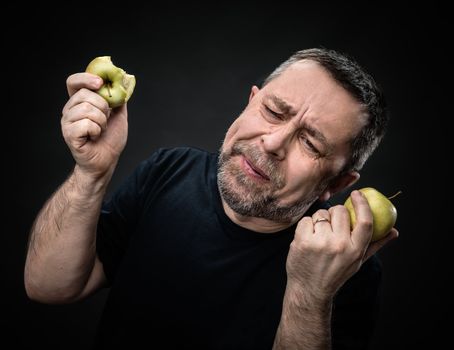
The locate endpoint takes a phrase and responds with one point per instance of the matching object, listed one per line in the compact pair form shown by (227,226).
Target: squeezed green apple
(118,85)
(383,211)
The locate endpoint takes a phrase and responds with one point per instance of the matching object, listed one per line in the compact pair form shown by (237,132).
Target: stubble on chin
(253,198)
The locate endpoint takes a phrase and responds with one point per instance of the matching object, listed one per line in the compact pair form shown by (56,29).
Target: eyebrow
(283,106)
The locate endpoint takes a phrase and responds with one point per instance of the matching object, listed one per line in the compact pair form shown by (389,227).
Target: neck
(254,224)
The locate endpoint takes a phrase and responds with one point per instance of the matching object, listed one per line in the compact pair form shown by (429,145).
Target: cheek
(303,176)
(245,127)
(229,138)
(233,129)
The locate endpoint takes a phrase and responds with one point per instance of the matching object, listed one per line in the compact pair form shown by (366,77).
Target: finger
(78,81)
(362,232)
(377,245)
(85,95)
(82,130)
(340,220)
(321,213)
(321,218)
(304,229)
(85,110)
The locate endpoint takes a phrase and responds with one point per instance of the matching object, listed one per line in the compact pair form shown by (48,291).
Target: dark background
(195,66)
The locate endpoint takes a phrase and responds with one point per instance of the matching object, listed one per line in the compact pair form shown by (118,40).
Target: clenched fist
(95,134)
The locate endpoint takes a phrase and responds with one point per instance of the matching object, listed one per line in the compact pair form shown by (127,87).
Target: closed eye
(310,146)
(273,113)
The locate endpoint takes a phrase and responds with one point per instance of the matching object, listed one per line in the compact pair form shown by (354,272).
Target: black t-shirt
(184,276)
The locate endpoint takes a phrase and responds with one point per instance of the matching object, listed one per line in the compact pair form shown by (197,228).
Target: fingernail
(98,82)
(108,112)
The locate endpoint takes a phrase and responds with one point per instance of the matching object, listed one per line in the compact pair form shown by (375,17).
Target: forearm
(304,324)
(62,244)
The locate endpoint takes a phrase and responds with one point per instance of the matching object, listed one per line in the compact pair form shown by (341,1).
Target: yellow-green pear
(118,85)
(383,211)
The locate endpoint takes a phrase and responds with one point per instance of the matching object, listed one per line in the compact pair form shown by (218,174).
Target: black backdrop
(194,67)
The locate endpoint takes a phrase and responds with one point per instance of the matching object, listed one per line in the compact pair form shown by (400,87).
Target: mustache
(268,165)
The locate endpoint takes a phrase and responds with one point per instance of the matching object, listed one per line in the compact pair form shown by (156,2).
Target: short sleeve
(120,214)
(356,308)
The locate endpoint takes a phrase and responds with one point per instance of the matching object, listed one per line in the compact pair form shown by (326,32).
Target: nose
(276,142)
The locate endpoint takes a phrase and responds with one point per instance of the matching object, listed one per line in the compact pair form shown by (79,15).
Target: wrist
(88,183)
(309,301)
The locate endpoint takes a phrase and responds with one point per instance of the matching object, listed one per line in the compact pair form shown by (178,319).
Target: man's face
(291,140)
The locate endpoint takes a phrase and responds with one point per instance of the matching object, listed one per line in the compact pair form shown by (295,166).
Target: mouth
(253,171)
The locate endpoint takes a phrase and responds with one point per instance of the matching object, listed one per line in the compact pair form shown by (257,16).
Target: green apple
(118,85)
(383,211)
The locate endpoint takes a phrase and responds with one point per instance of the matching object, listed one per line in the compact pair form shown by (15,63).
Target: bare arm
(62,246)
(304,324)
(322,257)
(61,264)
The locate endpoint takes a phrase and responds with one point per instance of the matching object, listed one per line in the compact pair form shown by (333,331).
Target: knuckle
(339,248)
(322,211)
(316,246)
(85,107)
(95,130)
(305,220)
(69,80)
(104,104)
(103,117)
(339,208)
(366,223)
(302,223)
(82,95)
(68,134)
(336,209)
(65,133)
(293,245)
(86,123)
(303,245)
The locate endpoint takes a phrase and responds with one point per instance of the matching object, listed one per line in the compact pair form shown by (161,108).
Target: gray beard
(248,198)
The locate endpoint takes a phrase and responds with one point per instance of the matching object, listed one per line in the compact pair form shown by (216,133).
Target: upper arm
(120,215)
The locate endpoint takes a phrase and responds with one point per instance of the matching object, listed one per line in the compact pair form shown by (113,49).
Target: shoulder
(176,155)
(165,164)
(163,159)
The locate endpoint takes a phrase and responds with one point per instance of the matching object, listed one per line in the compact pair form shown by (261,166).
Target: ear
(254,92)
(338,184)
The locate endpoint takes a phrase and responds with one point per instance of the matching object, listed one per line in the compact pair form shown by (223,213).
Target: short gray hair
(347,72)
